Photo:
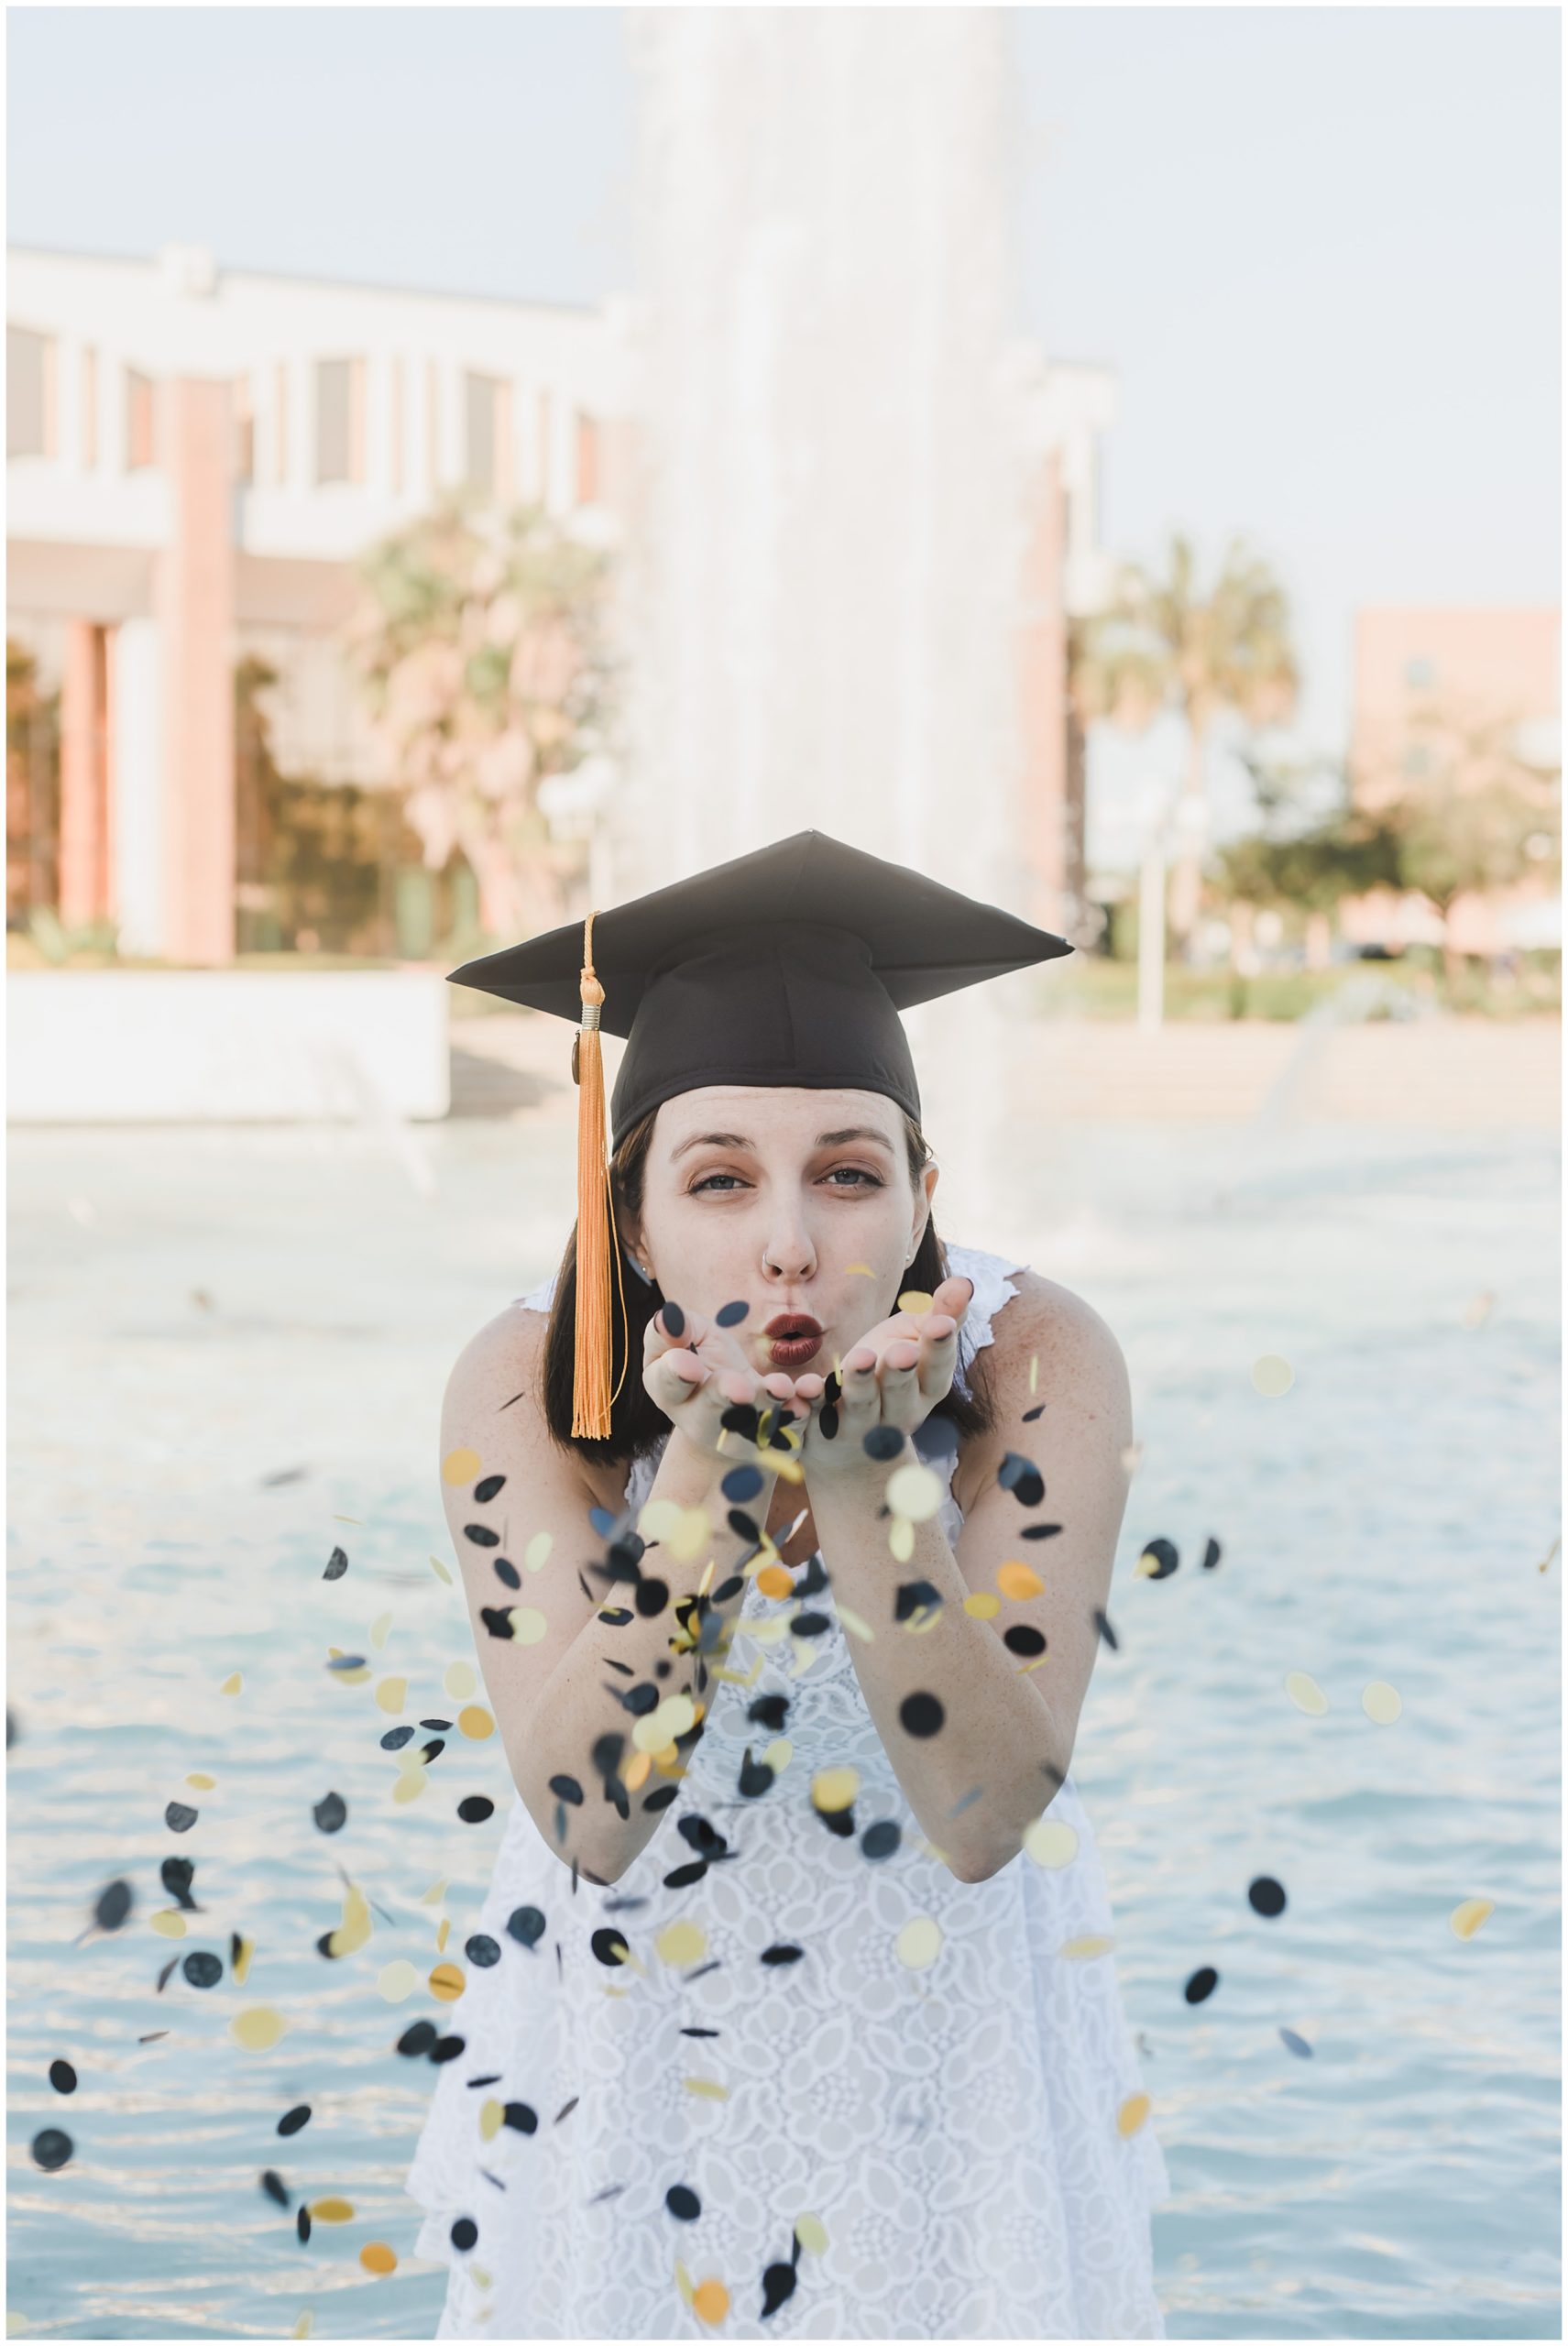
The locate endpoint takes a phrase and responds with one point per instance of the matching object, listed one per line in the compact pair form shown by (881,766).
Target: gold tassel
(591,1396)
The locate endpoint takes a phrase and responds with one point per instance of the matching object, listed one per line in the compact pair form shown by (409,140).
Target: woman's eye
(856,1173)
(859,1176)
(698,1186)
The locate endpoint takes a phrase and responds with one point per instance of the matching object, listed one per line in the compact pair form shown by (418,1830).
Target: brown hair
(636,1421)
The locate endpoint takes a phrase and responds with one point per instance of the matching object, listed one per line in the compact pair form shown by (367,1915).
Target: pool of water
(196,1316)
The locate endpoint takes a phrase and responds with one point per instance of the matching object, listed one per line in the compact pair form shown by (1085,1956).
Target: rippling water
(193,1312)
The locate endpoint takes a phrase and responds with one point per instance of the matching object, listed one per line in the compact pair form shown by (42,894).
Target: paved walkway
(1437,1073)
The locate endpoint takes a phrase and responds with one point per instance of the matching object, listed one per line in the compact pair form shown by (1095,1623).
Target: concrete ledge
(113,1046)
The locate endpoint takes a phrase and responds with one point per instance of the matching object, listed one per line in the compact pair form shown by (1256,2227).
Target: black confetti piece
(62,2077)
(302,2222)
(567,1787)
(497,1620)
(201,1970)
(881,1441)
(521,2118)
(178,1817)
(1212,1555)
(922,1714)
(1102,1623)
(1202,1985)
(417,2040)
(396,1737)
(728,1315)
(1165,1558)
(1022,1638)
(881,1839)
(526,1925)
(481,1535)
(1297,2045)
(482,1951)
(1030,1415)
(292,2120)
(177,1874)
(330,1814)
(610,1948)
(476,1808)
(448,2048)
(1023,1478)
(674,1320)
(782,1955)
(1039,1531)
(682,2203)
(275,2187)
(336,1565)
(463,2233)
(778,2284)
(1265,1896)
(52,2149)
(507,1573)
(487,1490)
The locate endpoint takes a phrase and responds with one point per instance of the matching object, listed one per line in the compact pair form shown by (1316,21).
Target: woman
(791,2011)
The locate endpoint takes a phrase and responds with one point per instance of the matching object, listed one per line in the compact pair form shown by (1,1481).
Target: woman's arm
(1007,1728)
(556,1693)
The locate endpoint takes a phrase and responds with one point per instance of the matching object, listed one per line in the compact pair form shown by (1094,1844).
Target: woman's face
(740,1178)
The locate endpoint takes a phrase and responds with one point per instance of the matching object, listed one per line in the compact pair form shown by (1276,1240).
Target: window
(587,460)
(243,431)
(1418,758)
(89,409)
(29,393)
(139,449)
(340,420)
(1420,674)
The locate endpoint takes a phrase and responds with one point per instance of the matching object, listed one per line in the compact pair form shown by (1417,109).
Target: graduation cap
(786,968)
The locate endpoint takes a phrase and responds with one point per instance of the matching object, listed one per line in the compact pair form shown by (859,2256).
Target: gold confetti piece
(705,2089)
(1034,1373)
(434,1894)
(439,1568)
(982,1605)
(477,2274)
(355,1677)
(900,1538)
(536,1555)
(811,2235)
(491,2115)
(380,1628)
(377,2258)
(918,1944)
(656,1522)
(777,1580)
(1019,1581)
(682,2281)
(779,1754)
(354,1930)
(862,1270)
(675,1716)
(447,1982)
(1271,1376)
(710,2302)
(528,1626)
(476,1723)
(1549,1554)
(1306,1695)
(391,1694)
(459,1681)
(1468,1916)
(346,1518)
(855,1626)
(443,1931)
(170,1923)
(692,1532)
(302,2327)
(397,1981)
(460,1466)
(332,2212)
(258,2028)
(1478,1310)
(680,1943)
(240,1967)
(637,1769)
(1050,1842)
(916,1301)
(914,1490)
(232,1684)
(1081,1950)
(410,1782)
(1131,2114)
(1132,1458)
(834,1787)
(202,1783)
(1380,1702)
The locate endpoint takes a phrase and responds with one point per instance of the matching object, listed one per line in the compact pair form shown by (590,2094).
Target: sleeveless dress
(952,2125)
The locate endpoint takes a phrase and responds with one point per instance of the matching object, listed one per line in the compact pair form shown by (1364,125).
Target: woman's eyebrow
(823,1140)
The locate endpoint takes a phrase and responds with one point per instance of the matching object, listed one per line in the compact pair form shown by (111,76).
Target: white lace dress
(953,2129)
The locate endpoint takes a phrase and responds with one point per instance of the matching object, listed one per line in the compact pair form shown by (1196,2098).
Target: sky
(1318,248)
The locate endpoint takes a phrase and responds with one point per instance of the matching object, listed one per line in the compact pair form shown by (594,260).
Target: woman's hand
(695,1370)
(892,1376)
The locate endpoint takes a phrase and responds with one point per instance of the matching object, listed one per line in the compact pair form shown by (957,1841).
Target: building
(1458,689)
(196,458)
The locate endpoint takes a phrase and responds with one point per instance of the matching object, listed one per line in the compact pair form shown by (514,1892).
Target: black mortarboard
(784,968)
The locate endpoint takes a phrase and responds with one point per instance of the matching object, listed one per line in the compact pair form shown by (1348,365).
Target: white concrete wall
(137,764)
(108,1046)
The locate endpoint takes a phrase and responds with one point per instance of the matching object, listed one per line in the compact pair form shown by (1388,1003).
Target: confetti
(52,2148)
(1306,1695)
(918,1944)
(1468,1916)
(1380,1703)
(336,1565)
(1132,2115)
(395,1981)
(439,1568)
(476,1723)
(377,2258)
(1050,1844)
(447,1983)
(232,1684)
(1265,1897)
(460,1466)
(1202,1985)
(332,2212)
(391,1694)
(1297,2045)
(1271,1376)
(1084,1949)
(258,2028)
(62,2077)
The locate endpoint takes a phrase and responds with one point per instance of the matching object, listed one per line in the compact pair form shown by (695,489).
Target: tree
(1161,643)
(480,642)
(1479,818)
(1305,852)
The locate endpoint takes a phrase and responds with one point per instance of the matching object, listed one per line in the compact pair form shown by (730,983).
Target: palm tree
(1162,645)
(480,645)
